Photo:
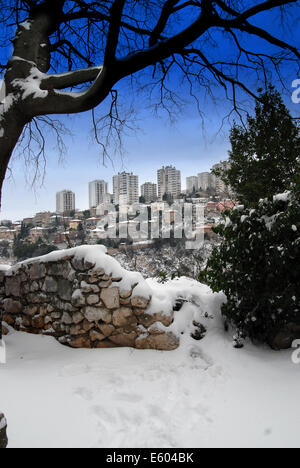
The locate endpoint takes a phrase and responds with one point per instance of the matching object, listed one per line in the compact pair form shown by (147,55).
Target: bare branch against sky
(68,55)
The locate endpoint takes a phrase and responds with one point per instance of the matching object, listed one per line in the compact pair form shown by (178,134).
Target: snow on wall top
(97,255)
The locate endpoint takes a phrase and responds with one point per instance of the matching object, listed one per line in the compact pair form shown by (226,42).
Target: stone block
(122,317)
(65,289)
(95,314)
(162,342)
(12,307)
(80,342)
(96,336)
(110,298)
(124,339)
(37,271)
(92,299)
(50,285)
(140,302)
(106,329)
(13,286)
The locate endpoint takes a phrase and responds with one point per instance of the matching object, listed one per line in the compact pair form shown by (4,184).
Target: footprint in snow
(73,370)
(84,393)
(197,354)
(128,397)
(104,417)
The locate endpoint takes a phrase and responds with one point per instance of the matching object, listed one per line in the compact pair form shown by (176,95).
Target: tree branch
(60,102)
(114,31)
(71,79)
(63,42)
(166,48)
(261,7)
(188,3)
(218,73)
(166,12)
(98,16)
(104,78)
(239,22)
(254,30)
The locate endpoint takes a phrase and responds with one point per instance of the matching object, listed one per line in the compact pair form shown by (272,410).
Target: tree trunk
(28,53)
(10,132)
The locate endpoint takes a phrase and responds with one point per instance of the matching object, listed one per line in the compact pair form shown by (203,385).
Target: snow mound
(199,302)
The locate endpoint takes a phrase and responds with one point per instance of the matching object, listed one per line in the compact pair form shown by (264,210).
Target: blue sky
(184,144)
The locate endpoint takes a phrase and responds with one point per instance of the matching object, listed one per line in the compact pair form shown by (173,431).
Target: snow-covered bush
(257,266)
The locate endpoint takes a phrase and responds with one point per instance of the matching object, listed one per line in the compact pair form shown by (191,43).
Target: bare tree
(61,45)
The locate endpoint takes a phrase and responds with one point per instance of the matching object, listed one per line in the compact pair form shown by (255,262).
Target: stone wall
(83,298)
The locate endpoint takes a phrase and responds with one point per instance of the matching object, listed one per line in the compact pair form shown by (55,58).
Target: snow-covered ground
(204,394)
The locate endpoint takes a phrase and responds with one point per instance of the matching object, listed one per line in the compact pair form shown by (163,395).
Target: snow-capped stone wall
(85,299)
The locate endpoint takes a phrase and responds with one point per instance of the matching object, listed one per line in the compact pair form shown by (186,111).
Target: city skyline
(184,144)
(109,189)
(80,188)
(158,144)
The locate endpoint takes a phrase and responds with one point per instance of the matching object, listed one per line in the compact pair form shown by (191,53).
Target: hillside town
(112,219)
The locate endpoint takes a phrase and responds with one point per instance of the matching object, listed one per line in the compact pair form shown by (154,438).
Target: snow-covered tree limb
(70,79)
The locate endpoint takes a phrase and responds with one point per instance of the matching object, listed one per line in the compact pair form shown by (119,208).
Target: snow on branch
(70,79)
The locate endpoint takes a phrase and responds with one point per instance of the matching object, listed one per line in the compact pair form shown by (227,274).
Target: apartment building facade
(125,189)
(98,193)
(149,192)
(168,182)
(192,184)
(65,201)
